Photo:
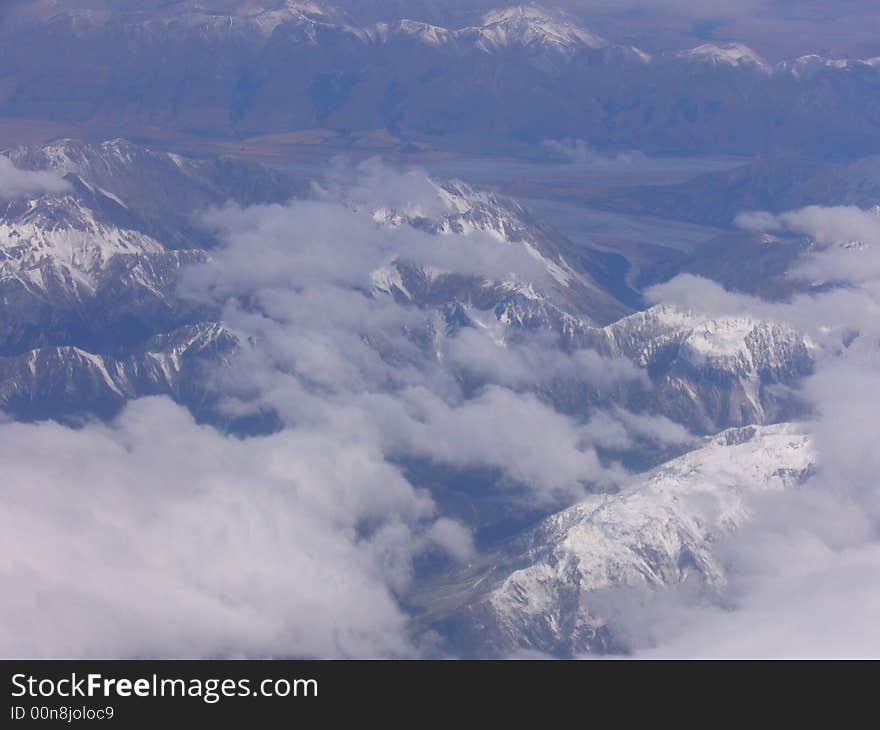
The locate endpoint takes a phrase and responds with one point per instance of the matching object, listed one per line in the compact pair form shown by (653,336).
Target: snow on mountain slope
(57,381)
(64,237)
(270,68)
(803,68)
(552,589)
(706,374)
(249,21)
(297,11)
(520,26)
(80,267)
(160,190)
(97,263)
(531,26)
(572,294)
(524,27)
(710,373)
(727,54)
(739,345)
(807,66)
(91,267)
(430,35)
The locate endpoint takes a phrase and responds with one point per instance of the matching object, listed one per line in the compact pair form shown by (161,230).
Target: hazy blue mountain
(773,184)
(513,77)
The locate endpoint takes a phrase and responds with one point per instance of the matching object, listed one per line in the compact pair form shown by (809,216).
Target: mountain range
(518,76)
(93,316)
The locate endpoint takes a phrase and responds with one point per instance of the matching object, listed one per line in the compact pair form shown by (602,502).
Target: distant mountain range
(521,75)
(774,184)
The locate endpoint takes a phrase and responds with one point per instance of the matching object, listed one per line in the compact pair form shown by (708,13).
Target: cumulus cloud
(784,616)
(619,429)
(16,183)
(516,433)
(171,539)
(534,361)
(828,319)
(377,186)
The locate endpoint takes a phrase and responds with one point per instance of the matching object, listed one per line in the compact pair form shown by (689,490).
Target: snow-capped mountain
(415,30)
(92,319)
(553,589)
(159,191)
(125,225)
(530,26)
(88,275)
(267,16)
(711,373)
(95,268)
(810,65)
(451,414)
(64,237)
(734,55)
(79,267)
(61,381)
(519,27)
(518,76)
(242,21)
(573,293)
(736,344)
(704,373)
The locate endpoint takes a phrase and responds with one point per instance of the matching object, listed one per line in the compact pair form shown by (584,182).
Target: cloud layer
(156,536)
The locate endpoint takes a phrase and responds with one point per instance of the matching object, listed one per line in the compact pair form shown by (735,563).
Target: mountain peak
(727,54)
(528,11)
(532,24)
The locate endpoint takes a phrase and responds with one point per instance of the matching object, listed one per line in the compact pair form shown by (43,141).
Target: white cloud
(535,361)
(171,539)
(15,183)
(848,240)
